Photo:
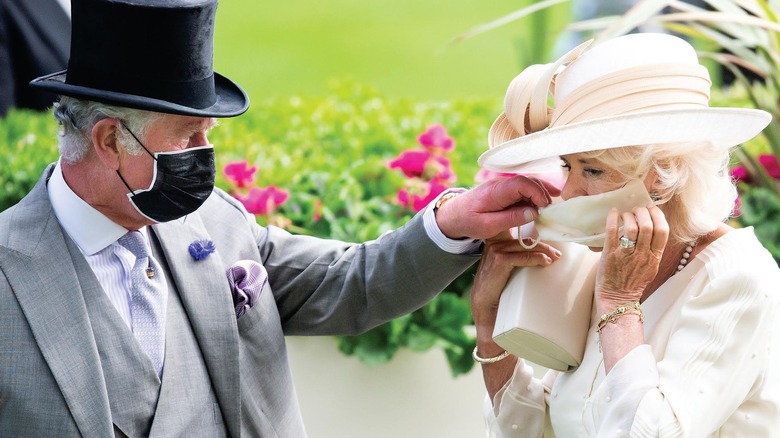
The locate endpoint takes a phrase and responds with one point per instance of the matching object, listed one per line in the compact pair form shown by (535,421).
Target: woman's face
(588,176)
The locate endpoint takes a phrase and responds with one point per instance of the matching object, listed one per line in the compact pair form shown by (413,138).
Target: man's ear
(105,143)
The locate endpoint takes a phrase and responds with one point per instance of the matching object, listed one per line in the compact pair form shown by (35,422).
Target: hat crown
(155,55)
(621,54)
(160,49)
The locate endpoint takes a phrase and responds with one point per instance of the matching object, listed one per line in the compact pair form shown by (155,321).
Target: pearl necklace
(686,257)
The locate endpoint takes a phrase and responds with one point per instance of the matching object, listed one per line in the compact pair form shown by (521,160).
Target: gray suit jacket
(51,382)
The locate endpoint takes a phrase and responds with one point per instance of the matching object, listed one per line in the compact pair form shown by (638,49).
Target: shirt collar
(90,229)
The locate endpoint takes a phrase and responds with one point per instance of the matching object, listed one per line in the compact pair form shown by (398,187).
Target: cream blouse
(710,366)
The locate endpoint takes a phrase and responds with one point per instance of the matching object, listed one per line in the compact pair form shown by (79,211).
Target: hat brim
(536,152)
(231,99)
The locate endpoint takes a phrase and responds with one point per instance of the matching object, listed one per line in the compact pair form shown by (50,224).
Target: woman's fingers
(660,230)
(628,268)
(630,226)
(513,246)
(647,227)
(611,231)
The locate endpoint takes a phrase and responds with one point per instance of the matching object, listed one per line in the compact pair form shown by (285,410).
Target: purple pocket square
(247,279)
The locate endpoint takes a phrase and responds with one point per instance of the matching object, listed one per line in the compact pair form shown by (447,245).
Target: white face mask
(583,219)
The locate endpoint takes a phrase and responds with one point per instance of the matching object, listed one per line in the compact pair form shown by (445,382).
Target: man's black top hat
(154,55)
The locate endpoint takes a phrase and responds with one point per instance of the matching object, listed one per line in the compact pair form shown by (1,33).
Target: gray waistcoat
(184,403)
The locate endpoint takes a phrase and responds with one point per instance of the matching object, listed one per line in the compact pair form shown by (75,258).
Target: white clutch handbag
(544,312)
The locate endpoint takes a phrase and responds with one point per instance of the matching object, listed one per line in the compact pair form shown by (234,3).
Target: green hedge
(333,149)
(28,142)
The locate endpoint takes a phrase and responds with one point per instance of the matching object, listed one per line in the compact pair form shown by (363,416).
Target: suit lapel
(207,299)
(49,290)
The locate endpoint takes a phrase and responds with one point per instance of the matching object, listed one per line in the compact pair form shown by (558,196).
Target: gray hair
(77,118)
(693,179)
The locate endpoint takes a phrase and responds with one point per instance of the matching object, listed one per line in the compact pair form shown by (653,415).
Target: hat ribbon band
(638,89)
(538,113)
(525,103)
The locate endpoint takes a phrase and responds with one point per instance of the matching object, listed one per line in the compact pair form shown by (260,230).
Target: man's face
(166,134)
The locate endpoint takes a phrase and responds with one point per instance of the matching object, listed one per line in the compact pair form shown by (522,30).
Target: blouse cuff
(519,407)
(617,399)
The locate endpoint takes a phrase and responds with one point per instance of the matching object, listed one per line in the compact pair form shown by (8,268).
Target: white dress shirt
(96,236)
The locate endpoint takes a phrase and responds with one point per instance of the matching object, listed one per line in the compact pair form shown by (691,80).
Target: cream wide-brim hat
(637,89)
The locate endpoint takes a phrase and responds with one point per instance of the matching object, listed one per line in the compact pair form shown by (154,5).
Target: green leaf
(761,209)
(509,18)
(635,16)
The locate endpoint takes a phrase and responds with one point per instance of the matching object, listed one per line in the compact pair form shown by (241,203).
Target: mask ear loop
(142,145)
(521,239)
(136,139)
(124,182)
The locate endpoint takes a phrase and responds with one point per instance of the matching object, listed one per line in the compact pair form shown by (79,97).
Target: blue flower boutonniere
(200,249)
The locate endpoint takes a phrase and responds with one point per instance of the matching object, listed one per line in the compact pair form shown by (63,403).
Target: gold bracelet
(626,309)
(488,360)
(451,193)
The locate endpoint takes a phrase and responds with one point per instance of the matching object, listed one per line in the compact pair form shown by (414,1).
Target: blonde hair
(692,178)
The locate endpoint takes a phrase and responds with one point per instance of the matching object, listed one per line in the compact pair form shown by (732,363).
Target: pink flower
(418,197)
(263,201)
(317,214)
(740,173)
(239,173)
(771,165)
(767,161)
(737,210)
(439,168)
(415,163)
(411,162)
(436,137)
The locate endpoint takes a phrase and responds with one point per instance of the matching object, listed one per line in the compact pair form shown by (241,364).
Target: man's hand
(494,206)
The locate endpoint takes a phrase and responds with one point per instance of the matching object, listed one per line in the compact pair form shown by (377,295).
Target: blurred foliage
(333,150)
(279,48)
(761,209)
(538,23)
(28,142)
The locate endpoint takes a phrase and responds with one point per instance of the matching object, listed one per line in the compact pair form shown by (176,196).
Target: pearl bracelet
(488,360)
(627,309)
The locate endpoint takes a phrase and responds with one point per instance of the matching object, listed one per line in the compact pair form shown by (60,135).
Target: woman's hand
(501,256)
(625,273)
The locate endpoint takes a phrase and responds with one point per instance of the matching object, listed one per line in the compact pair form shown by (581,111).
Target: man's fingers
(551,188)
(510,191)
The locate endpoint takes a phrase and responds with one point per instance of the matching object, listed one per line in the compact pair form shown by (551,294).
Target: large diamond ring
(626,243)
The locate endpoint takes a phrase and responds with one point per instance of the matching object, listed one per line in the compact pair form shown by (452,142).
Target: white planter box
(412,396)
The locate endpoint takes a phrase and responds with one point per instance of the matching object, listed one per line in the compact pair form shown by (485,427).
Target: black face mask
(182,182)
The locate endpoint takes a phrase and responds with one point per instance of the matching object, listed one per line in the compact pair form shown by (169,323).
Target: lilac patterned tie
(148,299)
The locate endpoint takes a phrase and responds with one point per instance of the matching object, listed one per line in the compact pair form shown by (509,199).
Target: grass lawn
(288,47)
